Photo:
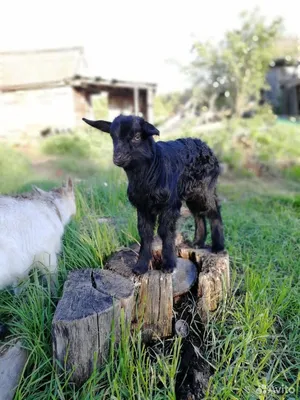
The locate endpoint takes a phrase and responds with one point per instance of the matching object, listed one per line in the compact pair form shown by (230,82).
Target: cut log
(81,329)
(184,276)
(123,261)
(195,255)
(213,283)
(155,305)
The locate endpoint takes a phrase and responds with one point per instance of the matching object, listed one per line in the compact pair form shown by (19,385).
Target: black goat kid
(160,176)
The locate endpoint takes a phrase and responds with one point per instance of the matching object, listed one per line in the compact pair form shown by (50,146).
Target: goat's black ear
(103,126)
(150,129)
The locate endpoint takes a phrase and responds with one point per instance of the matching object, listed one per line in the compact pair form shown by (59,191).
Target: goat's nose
(118,159)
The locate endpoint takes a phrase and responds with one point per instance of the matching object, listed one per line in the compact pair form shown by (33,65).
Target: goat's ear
(37,190)
(103,126)
(150,129)
(68,185)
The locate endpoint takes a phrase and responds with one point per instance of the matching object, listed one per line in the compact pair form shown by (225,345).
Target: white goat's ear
(70,185)
(103,126)
(150,129)
(37,190)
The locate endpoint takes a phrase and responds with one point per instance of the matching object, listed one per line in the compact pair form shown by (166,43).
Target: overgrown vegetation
(256,146)
(14,169)
(72,145)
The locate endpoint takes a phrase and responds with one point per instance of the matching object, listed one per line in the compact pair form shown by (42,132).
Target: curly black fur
(160,176)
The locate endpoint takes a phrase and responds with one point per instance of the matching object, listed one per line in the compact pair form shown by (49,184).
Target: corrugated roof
(36,67)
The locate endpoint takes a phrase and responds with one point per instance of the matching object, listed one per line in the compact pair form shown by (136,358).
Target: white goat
(31,229)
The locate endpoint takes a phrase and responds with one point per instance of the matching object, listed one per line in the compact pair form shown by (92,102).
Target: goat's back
(192,157)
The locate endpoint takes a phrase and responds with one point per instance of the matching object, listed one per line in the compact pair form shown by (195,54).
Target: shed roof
(47,68)
(33,68)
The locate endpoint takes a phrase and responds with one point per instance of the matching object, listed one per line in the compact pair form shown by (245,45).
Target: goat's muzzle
(121,161)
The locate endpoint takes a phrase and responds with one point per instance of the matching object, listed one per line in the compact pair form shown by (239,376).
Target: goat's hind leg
(216,225)
(200,223)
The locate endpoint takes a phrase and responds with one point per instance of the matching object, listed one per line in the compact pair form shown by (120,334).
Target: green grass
(253,340)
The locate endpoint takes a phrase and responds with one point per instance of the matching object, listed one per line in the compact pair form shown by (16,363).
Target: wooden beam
(150,116)
(101,84)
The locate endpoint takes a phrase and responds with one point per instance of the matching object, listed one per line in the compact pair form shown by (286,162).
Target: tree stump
(213,280)
(81,329)
(123,261)
(155,305)
(213,283)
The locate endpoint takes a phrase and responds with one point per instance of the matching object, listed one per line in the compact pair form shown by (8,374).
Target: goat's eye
(137,137)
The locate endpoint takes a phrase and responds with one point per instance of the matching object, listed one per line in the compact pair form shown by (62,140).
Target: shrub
(14,169)
(65,145)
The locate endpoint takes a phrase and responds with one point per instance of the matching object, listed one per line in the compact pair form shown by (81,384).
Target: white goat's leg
(53,274)
(48,265)
(17,289)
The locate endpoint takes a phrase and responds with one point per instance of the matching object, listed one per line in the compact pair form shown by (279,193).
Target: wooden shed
(283,78)
(53,89)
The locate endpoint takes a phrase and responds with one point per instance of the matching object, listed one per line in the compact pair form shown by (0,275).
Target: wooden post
(150,117)
(82,324)
(136,107)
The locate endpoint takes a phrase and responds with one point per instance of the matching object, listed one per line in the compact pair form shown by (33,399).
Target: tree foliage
(236,67)
(169,104)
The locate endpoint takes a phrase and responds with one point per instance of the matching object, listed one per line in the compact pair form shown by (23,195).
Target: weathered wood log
(12,362)
(195,255)
(213,283)
(155,305)
(81,329)
(183,277)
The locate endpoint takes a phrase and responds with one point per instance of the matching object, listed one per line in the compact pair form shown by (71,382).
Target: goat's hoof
(140,268)
(168,270)
(217,249)
(199,245)
(168,267)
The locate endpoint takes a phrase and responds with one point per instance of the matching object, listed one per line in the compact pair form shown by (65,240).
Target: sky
(130,39)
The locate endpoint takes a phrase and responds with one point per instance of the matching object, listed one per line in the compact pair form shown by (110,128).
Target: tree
(237,66)
(167,105)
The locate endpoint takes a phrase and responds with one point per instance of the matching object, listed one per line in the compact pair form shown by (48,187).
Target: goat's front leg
(146,223)
(167,232)
(217,234)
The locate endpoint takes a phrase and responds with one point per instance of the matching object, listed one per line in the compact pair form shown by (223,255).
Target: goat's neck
(142,170)
(138,172)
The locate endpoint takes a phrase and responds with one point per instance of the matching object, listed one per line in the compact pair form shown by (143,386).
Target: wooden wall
(30,111)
